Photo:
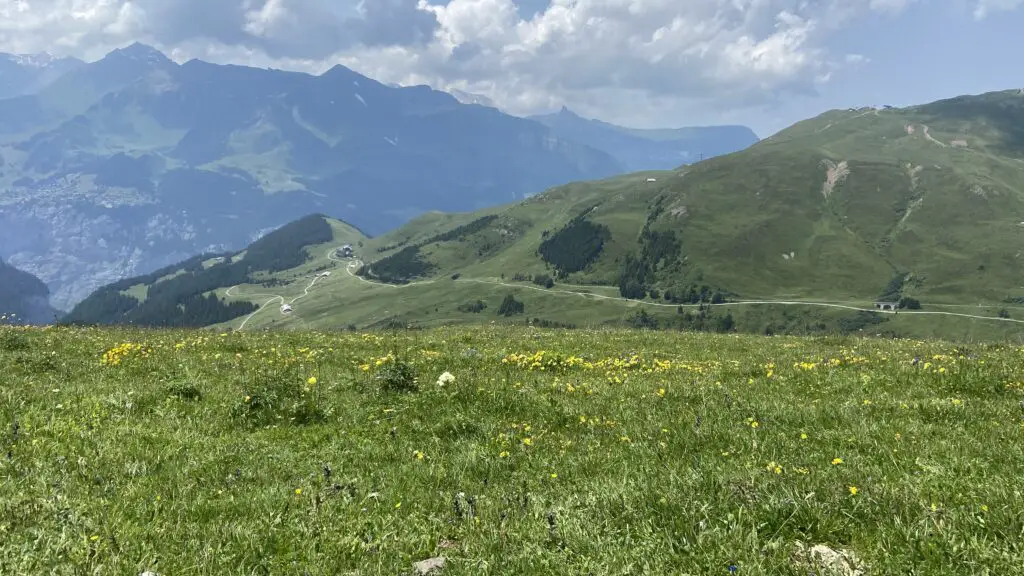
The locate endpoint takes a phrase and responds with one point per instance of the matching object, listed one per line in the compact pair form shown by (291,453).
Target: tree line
(183,297)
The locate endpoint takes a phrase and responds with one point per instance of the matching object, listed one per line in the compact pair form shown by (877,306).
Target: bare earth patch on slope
(914,173)
(835,174)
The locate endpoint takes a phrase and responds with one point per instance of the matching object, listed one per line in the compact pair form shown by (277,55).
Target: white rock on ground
(428,566)
(830,561)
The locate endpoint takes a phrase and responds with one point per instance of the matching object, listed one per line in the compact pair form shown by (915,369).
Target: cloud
(282,29)
(735,52)
(986,7)
(620,59)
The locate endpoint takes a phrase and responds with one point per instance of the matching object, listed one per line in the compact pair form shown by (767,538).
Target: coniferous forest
(181,295)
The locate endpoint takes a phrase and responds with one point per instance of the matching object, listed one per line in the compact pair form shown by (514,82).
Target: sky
(641,63)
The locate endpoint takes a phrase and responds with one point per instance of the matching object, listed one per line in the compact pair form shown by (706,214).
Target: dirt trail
(746,303)
(356,263)
(274,298)
(928,136)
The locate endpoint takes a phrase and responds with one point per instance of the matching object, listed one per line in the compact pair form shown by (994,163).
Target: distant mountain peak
(40,60)
(566,114)
(339,71)
(140,52)
(471,98)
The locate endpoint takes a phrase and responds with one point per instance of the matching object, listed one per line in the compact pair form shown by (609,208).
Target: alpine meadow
(511,287)
(505,450)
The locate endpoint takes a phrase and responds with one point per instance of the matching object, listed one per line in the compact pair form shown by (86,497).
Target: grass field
(343,300)
(550,452)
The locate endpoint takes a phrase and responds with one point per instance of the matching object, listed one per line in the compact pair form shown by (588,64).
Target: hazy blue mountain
(23,298)
(639,149)
(24,74)
(131,163)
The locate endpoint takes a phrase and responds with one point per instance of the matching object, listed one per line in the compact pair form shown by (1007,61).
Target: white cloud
(986,7)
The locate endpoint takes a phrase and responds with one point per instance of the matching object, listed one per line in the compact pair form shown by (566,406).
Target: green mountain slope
(802,232)
(23,298)
(833,207)
(186,294)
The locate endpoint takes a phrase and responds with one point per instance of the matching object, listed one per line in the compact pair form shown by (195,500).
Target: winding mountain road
(273,298)
(747,303)
(354,264)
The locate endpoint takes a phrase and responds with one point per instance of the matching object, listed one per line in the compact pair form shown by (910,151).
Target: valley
(809,232)
(131,163)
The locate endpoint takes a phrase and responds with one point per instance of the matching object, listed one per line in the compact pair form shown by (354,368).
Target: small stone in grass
(428,566)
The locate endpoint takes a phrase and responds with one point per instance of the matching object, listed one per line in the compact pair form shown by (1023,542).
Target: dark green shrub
(910,303)
(184,390)
(273,395)
(473,307)
(397,376)
(544,280)
(644,321)
(510,306)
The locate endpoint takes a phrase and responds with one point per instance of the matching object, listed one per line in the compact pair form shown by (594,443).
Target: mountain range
(804,232)
(23,74)
(638,149)
(125,165)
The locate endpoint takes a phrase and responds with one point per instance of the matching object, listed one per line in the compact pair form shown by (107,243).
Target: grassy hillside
(23,298)
(603,452)
(185,294)
(800,234)
(832,208)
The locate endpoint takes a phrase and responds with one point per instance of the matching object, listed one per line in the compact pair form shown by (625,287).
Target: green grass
(139,291)
(613,452)
(343,300)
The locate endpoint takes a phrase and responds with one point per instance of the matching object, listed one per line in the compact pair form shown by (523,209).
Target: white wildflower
(446,378)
